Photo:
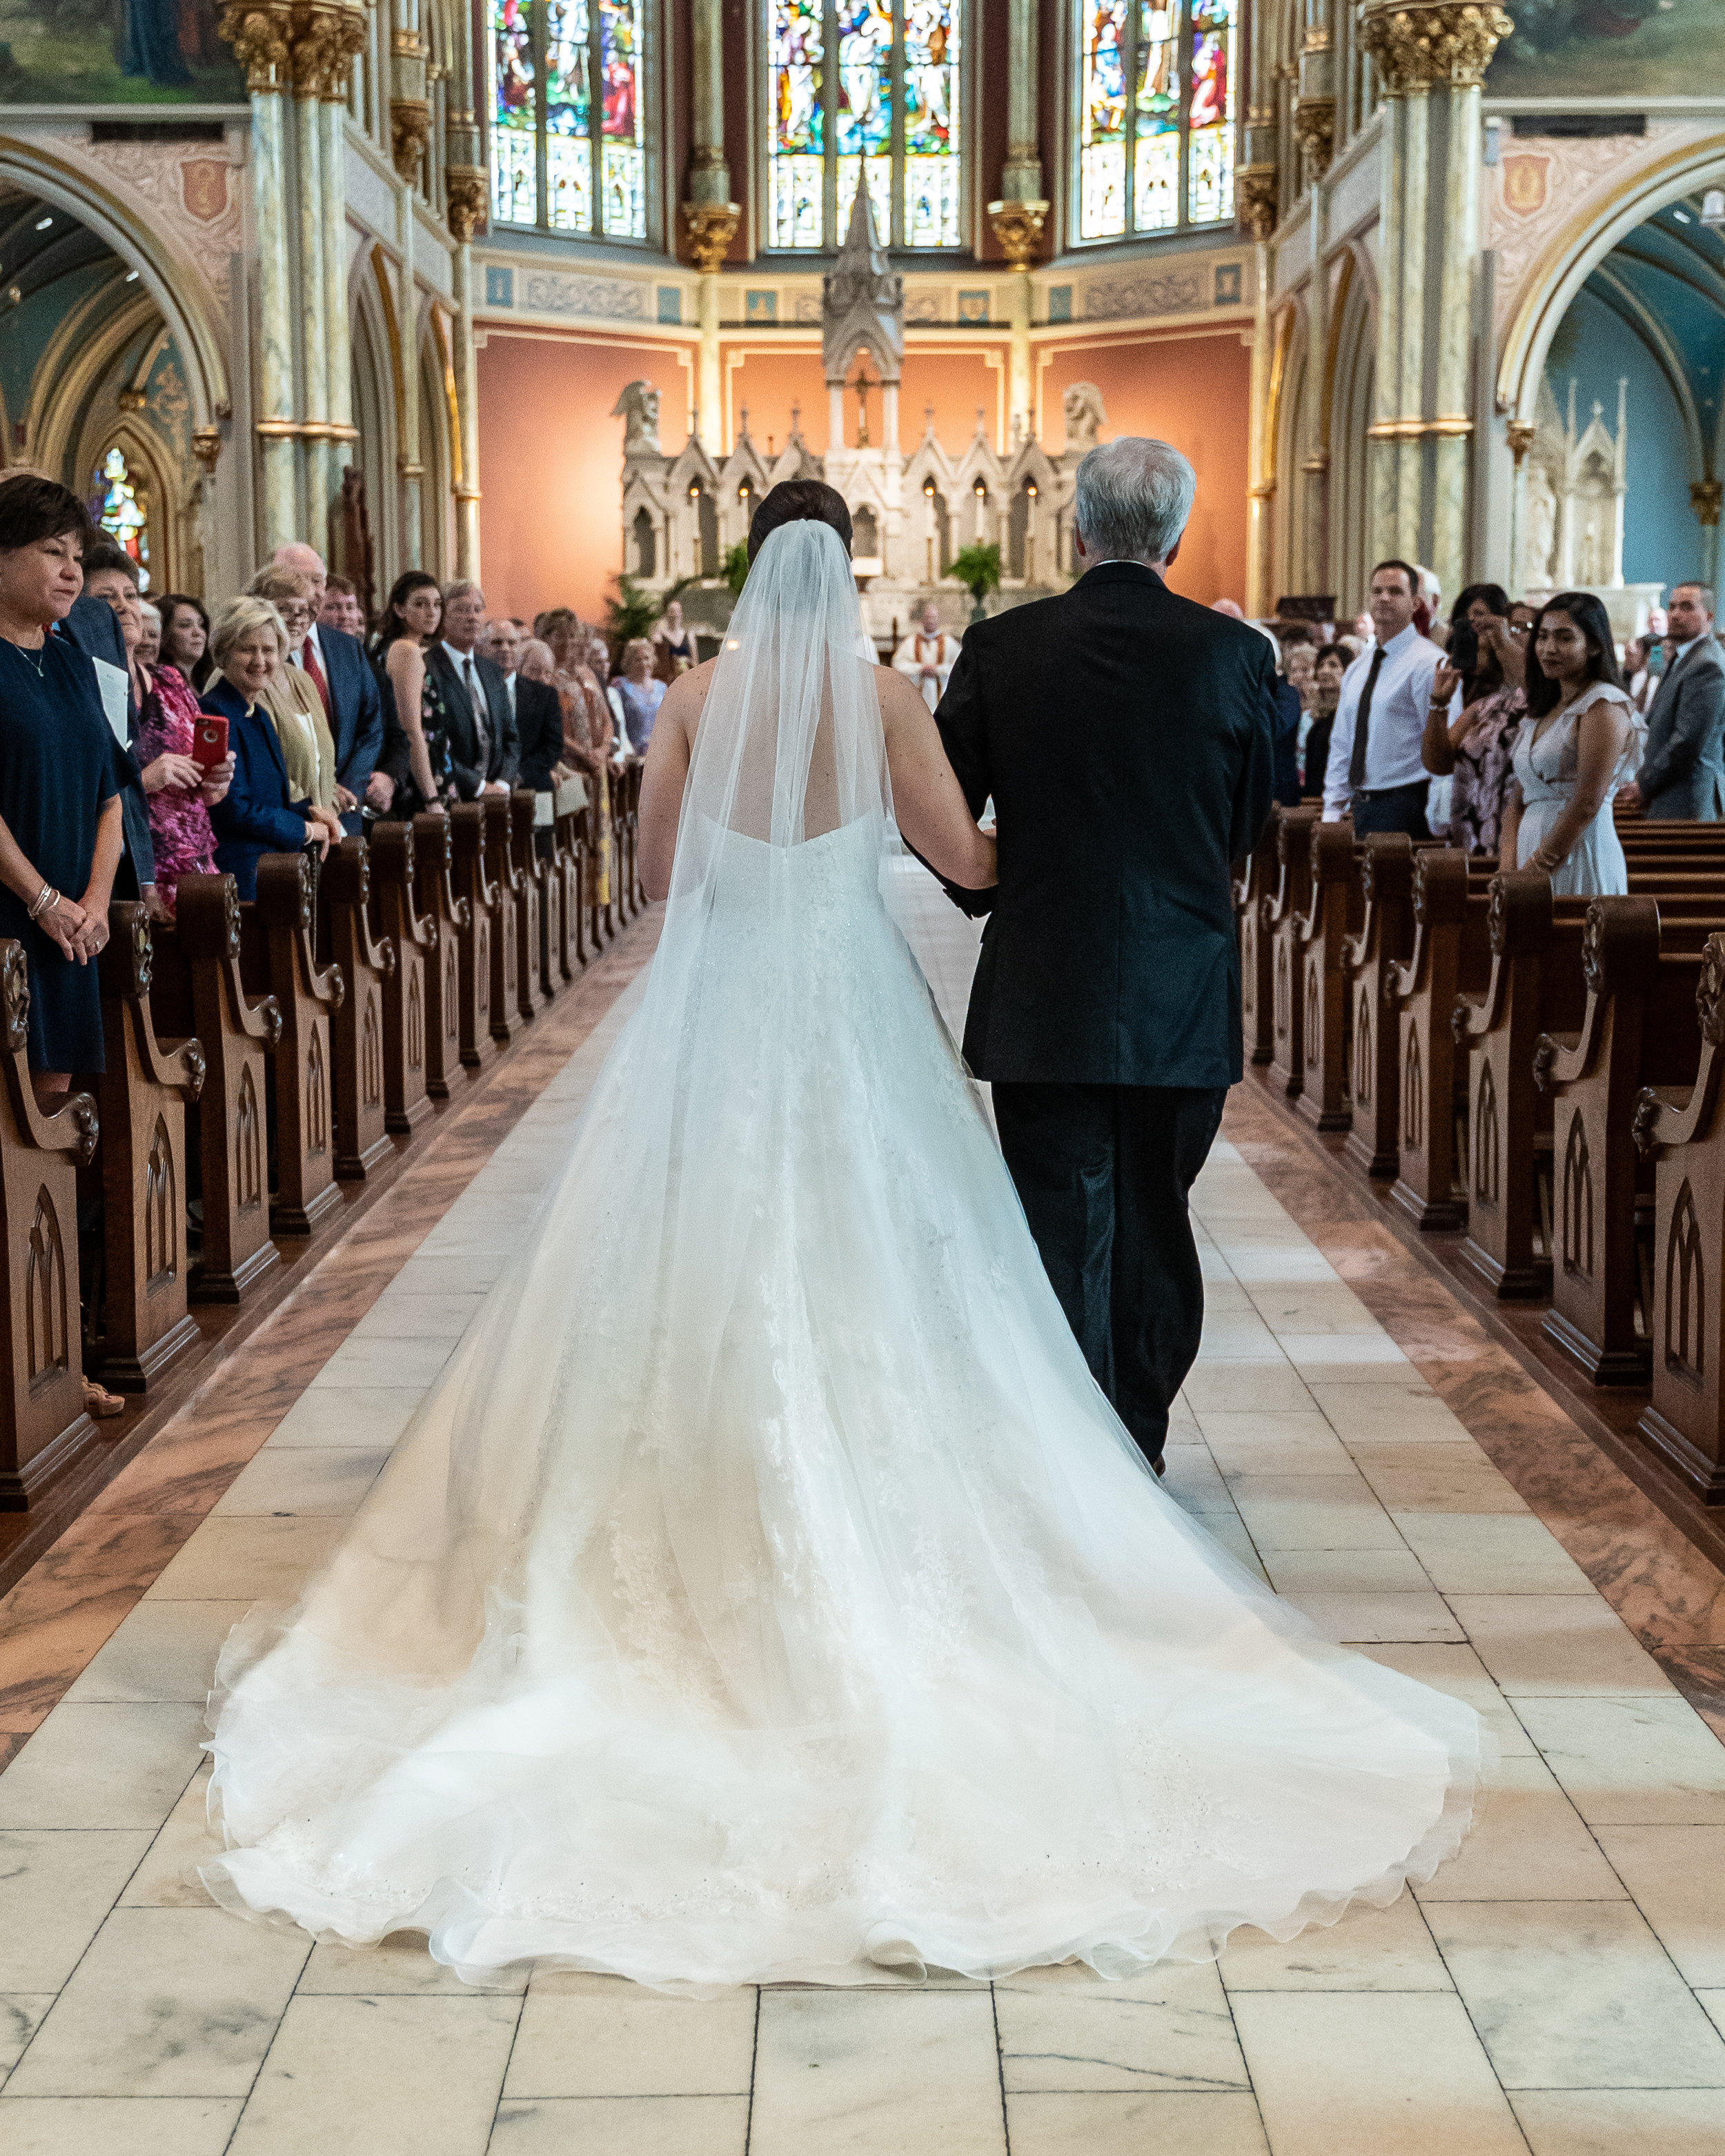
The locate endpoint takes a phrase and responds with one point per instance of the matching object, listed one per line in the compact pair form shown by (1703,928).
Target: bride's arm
(927,798)
(665,775)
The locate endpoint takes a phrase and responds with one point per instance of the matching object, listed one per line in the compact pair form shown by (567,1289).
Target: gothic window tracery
(1154,134)
(868,88)
(568,130)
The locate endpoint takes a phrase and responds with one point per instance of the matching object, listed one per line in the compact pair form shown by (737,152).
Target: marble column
(1018,217)
(1017,226)
(466,208)
(278,427)
(710,217)
(310,303)
(1458,295)
(348,41)
(1315,465)
(1257,208)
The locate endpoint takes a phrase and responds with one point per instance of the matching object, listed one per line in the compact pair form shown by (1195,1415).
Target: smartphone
(209,741)
(1465,650)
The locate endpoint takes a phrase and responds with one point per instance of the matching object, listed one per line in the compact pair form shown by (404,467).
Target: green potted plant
(978,568)
(736,567)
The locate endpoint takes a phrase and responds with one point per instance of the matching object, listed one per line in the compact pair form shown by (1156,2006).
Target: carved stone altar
(1572,511)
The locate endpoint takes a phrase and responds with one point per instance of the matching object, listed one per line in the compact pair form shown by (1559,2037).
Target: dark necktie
(1361,723)
(476,698)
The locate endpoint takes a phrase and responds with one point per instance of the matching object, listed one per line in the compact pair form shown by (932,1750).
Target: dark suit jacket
(356,712)
(1682,772)
(259,814)
(1126,737)
(93,627)
(504,760)
(539,726)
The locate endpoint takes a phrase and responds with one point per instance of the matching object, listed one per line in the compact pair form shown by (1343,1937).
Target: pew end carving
(360,1042)
(276,958)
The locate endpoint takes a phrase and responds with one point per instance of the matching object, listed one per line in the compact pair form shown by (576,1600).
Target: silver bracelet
(46,900)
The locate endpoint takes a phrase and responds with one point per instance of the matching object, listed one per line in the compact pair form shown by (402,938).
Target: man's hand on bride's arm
(934,818)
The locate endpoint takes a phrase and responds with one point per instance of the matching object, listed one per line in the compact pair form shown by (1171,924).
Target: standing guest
(1638,677)
(675,651)
(1473,720)
(149,634)
(336,663)
(928,655)
(262,813)
(500,642)
(1285,734)
(341,609)
(586,734)
(1579,740)
(484,753)
(185,637)
(1682,772)
(291,697)
(1328,666)
(413,771)
(539,726)
(1299,667)
(180,793)
(638,695)
(103,624)
(1375,767)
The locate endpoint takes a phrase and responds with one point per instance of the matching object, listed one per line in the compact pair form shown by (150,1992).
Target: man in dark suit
(1105,1007)
(343,676)
(93,627)
(1682,774)
(533,703)
(484,749)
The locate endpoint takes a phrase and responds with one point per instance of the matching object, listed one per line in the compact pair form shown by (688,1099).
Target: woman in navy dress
(59,787)
(261,814)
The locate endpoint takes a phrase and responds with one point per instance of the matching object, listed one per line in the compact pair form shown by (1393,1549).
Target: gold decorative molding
(1519,433)
(318,35)
(1017,226)
(207,447)
(1263,489)
(1255,198)
(1417,43)
(259,32)
(132,399)
(302,430)
(1706,496)
(711,227)
(408,45)
(305,45)
(1315,129)
(1449,424)
(464,189)
(409,131)
(408,470)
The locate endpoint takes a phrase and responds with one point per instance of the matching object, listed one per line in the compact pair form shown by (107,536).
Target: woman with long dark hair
(185,638)
(1581,741)
(1475,745)
(415,756)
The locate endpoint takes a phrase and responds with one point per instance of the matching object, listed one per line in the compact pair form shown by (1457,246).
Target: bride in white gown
(766,1590)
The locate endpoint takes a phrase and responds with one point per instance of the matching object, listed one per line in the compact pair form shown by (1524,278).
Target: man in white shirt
(1375,767)
(928,656)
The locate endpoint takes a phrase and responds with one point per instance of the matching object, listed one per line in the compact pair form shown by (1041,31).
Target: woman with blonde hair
(291,695)
(262,813)
(587,731)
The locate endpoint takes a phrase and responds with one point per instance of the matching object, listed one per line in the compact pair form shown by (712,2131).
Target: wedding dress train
(765,1591)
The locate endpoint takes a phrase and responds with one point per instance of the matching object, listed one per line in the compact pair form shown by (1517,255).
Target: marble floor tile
(1459,1672)
(1527,1842)
(403,1313)
(1345,1359)
(391,2075)
(1170,2122)
(1232,1338)
(601,2035)
(1284,1264)
(116,2126)
(1367,1950)
(165,2002)
(1331,1307)
(1571,1994)
(1455,1479)
(366,1416)
(1363,1619)
(1373,2074)
(359,1364)
(162,1651)
(1714,2002)
(1063,2028)
(1557,1644)
(1259,1388)
(431,1276)
(1193,1481)
(266,1560)
(328,1482)
(850,2074)
(1401,1415)
(1600,2122)
(1491,1553)
(1345,1572)
(1229,1529)
(166,1876)
(1635,1762)
(1677,1875)
(399,1965)
(22,2013)
(1312,1512)
(1298,1442)
(625,2126)
(103,1765)
(55,1890)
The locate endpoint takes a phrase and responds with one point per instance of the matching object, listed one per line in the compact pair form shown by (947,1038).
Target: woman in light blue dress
(1581,739)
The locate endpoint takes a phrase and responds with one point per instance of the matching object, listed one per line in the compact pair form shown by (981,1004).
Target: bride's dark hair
(798,501)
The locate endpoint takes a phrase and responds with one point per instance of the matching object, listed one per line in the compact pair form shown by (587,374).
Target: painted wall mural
(1607,49)
(115,52)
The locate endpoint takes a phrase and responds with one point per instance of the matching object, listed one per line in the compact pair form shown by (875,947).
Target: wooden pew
(1681,1130)
(507,1010)
(571,856)
(1451,955)
(197,987)
(43,1424)
(453,982)
(523,859)
(410,1027)
(1251,895)
(1535,986)
(1336,911)
(483,971)
(547,875)
(359,1036)
(1384,942)
(1639,1029)
(1286,909)
(142,1097)
(275,958)
(631,831)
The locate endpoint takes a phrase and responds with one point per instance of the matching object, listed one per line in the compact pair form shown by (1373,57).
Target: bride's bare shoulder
(686,696)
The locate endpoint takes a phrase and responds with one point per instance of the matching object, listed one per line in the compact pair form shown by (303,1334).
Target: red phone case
(209,742)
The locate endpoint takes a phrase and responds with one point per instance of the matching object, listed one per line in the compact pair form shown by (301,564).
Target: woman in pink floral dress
(180,792)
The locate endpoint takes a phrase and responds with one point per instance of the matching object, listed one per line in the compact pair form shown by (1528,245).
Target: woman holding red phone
(183,777)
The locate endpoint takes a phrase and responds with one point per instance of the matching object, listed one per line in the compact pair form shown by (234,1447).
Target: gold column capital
(1255,198)
(1706,496)
(409,131)
(711,227)
(1418,43)
(1519,434)
(1017,226)
(260,33)
(1315,129)
(207,447)
(464,188)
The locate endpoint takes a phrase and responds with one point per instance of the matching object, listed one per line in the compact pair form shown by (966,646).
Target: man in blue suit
(343,677)
(95,627)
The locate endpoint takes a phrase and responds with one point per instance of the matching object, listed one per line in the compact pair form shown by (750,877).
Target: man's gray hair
(459,590)
(1134,497)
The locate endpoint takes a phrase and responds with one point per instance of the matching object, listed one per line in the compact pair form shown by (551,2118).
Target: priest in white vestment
(928,655)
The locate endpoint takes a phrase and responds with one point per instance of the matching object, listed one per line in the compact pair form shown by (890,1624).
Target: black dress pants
(1393,808)
(1104,1173)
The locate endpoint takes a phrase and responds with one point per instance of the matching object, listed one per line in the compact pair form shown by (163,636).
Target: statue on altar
(928,655)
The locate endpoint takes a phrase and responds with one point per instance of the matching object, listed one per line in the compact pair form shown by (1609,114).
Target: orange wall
(769,383)
(1193,392)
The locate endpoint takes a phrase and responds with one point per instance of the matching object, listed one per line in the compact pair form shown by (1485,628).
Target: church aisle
(1559,1989)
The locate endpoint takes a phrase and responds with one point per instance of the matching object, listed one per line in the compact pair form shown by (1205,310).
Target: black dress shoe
(1160,1466)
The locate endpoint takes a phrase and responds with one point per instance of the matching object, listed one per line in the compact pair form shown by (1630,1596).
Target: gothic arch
(1354,354)
(375,350)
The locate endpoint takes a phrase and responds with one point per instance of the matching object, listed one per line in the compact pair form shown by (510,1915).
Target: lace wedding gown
(766,1590)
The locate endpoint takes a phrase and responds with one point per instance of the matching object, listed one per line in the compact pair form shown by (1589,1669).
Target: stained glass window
(1155,121)
(122,512)
(568,116)
(887,112)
